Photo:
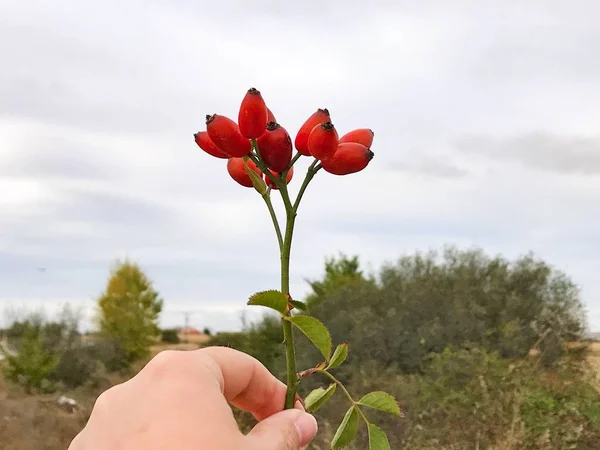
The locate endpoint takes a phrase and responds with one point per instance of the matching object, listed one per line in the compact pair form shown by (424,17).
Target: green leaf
(346,432)
(339,356)
(271,299)
(377,438)
(381,401)
(298,305)
(316,332)
(318,398)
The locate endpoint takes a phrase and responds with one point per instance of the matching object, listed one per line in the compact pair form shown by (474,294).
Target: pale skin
(181,400)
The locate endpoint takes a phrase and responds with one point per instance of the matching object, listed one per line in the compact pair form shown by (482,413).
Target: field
(38,423)
(594,360)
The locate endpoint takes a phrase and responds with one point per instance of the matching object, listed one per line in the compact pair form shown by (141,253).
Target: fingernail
(298,405)
(307,427)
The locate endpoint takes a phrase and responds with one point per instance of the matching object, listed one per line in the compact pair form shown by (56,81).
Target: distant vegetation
(474,346)
(128,311)
(449,334)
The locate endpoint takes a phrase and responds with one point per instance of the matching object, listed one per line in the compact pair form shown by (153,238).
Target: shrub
(76,367)
(426,302)
(32,366)
(170,336)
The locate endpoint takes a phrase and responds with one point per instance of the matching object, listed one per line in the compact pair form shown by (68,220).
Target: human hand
(180,400)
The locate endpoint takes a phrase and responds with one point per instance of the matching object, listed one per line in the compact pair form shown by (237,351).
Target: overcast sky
(486,134)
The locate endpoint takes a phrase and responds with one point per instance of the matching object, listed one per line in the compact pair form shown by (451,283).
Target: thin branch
(267,198)
(312,170)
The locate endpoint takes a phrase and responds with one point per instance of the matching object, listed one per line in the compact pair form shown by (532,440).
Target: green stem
(256,159)
(309,176)
(339,383)
(290,352)
(346,393)
(285,246)
(267,198)
(294,159)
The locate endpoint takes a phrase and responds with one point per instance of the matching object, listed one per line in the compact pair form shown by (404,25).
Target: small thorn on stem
(306,373)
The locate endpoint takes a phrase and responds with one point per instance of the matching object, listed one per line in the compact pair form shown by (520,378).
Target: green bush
(263,340)
(111,354)
(426,302)
(170,336)
(32,366)
(51,354)
(76,366)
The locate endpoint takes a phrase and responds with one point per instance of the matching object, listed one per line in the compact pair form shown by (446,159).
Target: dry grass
(197,339)
(155,349)
(38,423)
(594,360)
(34,423)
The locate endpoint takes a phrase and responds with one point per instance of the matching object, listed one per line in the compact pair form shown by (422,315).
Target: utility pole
(186,318)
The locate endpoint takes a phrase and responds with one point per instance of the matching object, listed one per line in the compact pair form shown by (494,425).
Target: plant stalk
(267,199)
(312,170)
(290,351)
(346,393)
(285,246)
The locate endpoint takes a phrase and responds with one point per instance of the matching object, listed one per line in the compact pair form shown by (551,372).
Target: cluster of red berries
(317,137)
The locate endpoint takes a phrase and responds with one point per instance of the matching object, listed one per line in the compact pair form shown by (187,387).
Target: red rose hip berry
(350,157)
(301,141)
(237,171)
(288,178)
(226,135)
(275,147)
(323,141)
(362,136)
(253,115)
(206,144)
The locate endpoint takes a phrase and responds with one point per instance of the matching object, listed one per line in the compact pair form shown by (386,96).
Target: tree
(45,353)
(340,272)
(129,309)
(427,302)
(170,336)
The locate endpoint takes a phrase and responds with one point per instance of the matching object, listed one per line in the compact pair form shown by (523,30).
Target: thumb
(291,429)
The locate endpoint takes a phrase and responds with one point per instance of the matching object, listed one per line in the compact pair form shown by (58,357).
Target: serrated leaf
(271,299)
(339,356)
(298,305)
(382,401)
(346,432)
(316,332)
(318,398)
(377,438)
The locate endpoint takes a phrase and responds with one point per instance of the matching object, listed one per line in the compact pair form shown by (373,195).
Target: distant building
(193,335)
(190,331)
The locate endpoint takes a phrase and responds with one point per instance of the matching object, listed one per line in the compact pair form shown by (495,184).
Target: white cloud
(98,104)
